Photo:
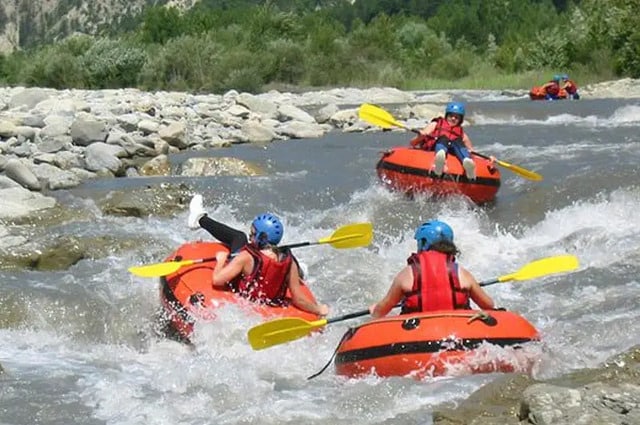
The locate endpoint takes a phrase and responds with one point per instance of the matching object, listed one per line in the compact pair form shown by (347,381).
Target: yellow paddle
(378,116)
(539,268)
(280,331)
(348,236)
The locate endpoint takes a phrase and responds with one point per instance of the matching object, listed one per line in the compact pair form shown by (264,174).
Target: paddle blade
(377,116)
(280,331)
(527,174)
(159,269)
(544,267)
(350,236)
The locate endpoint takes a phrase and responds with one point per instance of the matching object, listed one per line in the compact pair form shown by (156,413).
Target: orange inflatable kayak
(410,170)
(539,93)
(455,342)
(188,296)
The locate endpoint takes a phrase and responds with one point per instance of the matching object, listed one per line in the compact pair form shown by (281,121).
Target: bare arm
(224,273)
(428,129)
(467,142)
(478,295)
(395,293)
(299,298)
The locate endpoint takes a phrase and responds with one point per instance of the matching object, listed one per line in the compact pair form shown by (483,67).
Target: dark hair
(445,247)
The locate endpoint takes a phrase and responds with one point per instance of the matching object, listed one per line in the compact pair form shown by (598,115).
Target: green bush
(241,70)
(53,67)
(452,66)
(286,62)
(113,64)
(186,62)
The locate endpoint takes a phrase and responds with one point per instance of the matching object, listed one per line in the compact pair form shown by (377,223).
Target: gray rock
(7,129)
(55,177)
(29,98)
(301,130)
(34,120)
(222,166)
(174,134)
(19,202)
(54,144)
(158,166)
(255,132)
(324,114)
(22,174)
(258,105)
(85,132)
(293,113)
(101,156)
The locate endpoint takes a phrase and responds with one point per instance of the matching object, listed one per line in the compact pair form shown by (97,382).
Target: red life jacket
(268,280)
(443,129)
(553,88)
(570,87)
(436,285)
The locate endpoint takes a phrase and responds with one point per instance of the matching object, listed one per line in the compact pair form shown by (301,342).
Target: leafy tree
(161,24)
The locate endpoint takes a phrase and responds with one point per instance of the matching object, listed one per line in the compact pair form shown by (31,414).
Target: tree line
(248,45)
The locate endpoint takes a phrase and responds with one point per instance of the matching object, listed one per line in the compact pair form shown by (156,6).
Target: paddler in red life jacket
(570,87)
(433,280)
(445,135)
(259,271)
(552,88)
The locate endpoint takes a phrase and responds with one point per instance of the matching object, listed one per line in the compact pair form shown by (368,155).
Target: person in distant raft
(552,88)
(433,280)
(445,135)
(259,270)
(570,87)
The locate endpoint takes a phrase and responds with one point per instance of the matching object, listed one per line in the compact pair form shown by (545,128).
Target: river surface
(78,346)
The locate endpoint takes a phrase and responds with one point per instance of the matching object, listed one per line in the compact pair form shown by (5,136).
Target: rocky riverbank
(606,395)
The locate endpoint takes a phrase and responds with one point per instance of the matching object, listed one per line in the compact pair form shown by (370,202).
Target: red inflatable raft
(456,342)
(410,170)
(188,295)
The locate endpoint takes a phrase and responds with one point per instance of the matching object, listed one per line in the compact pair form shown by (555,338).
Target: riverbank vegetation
(410,44)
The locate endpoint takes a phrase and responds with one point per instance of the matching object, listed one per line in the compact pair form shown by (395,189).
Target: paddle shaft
(296,245)
(489,282)
(354,315)
(348,316)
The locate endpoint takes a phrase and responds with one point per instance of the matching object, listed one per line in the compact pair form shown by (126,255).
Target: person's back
(266,277)
(552,88)
(259,270)
(433,280)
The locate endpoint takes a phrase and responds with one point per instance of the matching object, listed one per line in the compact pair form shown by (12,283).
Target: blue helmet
(454,108)
(557,78)
(268,229)
(432,232)
(565,76)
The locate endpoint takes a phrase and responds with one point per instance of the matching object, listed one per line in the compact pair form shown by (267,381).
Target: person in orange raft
(445,135)
(570,87)
(433,280)
(552,88)
(259,271)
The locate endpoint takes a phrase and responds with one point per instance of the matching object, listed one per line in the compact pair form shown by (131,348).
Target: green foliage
(161,24)
(286,62)
(183,63)
(268,23)
(245,44)
(111,64)
(452,66)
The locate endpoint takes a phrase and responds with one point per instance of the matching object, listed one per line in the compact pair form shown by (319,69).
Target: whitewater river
(78,345)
